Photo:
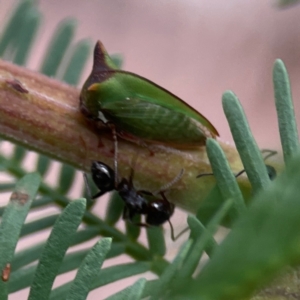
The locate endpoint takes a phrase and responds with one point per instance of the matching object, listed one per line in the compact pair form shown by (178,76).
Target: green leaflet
(106,276)
(55,249)
(285,111)
(23,277)
(226,181)
(27,35)
(197,231)
(11,32)
(203,242)
(114,209)
(245,143)
(12,221)
(156,240)
(284,3)
(263,242)
(77,62)
(170,272)
(89,270)
(58,46)
(133,292)
(29,255)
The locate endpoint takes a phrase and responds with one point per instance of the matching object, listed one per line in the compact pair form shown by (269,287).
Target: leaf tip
(211,142)
(80,202)
(278,65)
(228,95)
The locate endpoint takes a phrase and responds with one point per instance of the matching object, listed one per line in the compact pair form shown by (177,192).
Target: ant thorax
(132,198)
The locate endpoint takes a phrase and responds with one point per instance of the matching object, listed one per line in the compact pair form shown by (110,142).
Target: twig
(42,114)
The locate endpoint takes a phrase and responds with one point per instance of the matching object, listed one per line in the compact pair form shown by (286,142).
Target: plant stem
(43,114)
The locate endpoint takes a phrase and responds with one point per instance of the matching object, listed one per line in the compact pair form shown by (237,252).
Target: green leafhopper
(139,109)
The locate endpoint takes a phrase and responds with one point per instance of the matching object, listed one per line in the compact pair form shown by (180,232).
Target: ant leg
(204,174)
(144,192)
(141,224)
(130,180)
(115,155)
(127,216)
(271,153)
(172,231)
(132,168)
(173,237)
(211,174)
(115,139)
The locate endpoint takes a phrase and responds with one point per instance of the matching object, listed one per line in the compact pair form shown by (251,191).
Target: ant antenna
(173,237)
(165,187)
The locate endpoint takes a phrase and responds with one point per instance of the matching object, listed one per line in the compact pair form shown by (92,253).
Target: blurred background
(196,49)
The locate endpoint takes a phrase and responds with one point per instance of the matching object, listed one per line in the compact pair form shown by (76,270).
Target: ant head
(159,211)
(103,176)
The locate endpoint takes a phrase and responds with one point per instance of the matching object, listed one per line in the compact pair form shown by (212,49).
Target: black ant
(270,169)
(157,209)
